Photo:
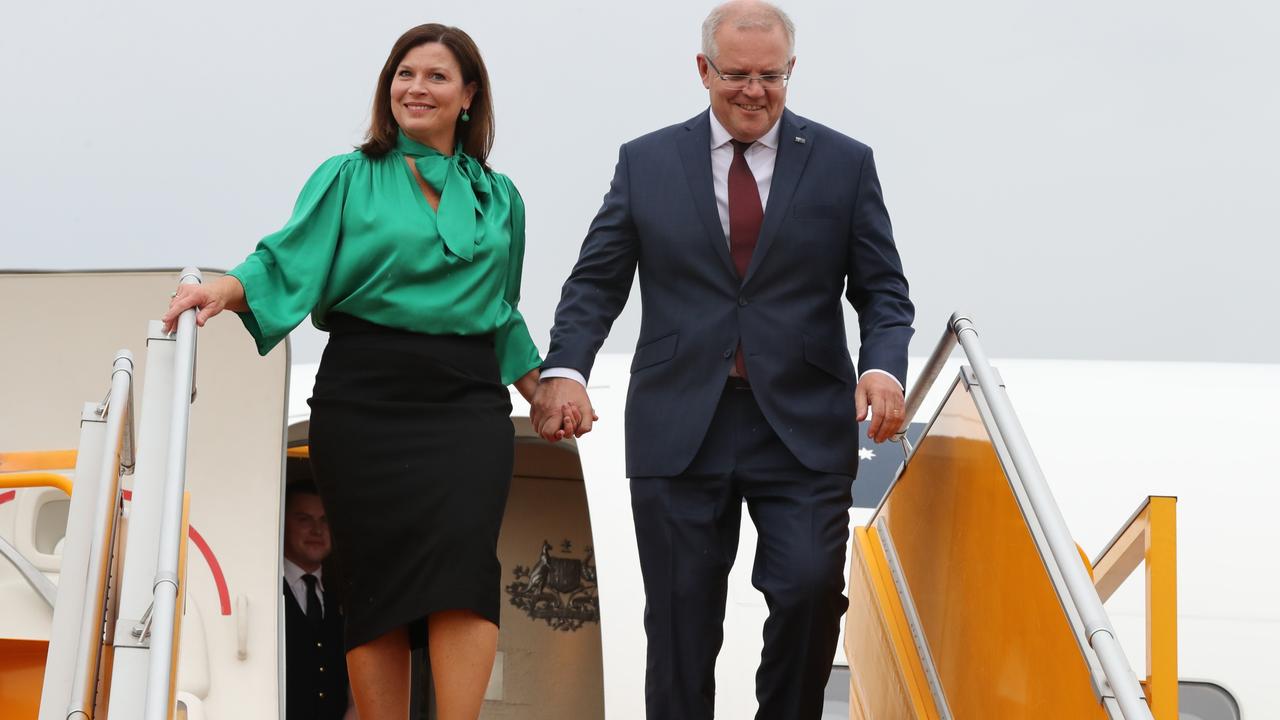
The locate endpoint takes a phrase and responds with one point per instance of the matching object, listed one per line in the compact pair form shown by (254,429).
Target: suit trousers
(687,532)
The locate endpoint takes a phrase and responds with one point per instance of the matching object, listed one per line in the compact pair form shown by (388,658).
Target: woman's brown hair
(476,134)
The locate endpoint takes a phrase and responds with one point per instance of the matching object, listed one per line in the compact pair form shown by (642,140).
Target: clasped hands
(561,408)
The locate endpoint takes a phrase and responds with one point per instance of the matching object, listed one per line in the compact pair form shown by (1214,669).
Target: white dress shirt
(293,577)
(761,157)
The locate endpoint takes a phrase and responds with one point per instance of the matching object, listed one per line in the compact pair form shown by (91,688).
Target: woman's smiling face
(428,94)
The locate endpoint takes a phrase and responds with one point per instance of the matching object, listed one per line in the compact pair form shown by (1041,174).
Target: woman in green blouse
(408,251)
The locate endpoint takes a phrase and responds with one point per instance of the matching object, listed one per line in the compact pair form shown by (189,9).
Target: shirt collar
(720,136)
(460,204)
(293,573)
(415,149)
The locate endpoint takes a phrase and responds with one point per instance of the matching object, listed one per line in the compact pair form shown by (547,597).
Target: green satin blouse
(364,241)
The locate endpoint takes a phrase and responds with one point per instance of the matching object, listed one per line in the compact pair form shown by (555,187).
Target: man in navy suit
(747,224)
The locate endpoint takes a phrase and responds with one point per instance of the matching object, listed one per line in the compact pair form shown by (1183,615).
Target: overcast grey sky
(1089,179)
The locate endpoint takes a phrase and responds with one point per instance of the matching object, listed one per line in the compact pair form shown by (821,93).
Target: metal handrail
(165,588)
(1149,538)
(1062,548)
(35,480)
(36,579)
(928,375)
(117,410)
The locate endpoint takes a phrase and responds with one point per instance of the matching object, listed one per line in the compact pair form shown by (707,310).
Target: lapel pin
(799,139)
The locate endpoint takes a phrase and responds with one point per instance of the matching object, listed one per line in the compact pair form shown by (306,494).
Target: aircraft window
(878,464)
(51,525)
(1206,701)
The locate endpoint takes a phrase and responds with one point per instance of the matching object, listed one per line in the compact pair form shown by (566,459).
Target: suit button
(728,353)
(321,696)
(321,668)
(319,644)
(742,301)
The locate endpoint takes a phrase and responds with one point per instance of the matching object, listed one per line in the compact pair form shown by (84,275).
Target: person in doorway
(315,683)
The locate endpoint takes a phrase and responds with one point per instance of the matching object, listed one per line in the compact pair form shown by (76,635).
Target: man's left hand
(561,408)
(879,393)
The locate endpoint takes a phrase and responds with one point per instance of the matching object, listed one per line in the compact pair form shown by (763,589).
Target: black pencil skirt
(412,448)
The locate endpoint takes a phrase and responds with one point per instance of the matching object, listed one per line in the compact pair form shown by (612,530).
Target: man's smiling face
(747,113)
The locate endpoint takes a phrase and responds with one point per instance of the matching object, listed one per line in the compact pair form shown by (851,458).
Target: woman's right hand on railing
(224,293)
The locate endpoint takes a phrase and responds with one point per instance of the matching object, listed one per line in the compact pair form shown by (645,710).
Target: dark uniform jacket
(315,666)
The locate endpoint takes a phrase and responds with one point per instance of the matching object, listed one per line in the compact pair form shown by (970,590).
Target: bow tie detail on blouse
(463,186)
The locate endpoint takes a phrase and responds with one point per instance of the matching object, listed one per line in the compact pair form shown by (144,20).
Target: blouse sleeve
(285,275)
(517,354)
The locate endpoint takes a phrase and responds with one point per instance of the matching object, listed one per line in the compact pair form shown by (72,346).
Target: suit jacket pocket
(654,352)
(812,211)
(832,359)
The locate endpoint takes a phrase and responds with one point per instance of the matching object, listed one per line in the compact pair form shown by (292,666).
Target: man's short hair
(302,487)
(298,478)
(762,17)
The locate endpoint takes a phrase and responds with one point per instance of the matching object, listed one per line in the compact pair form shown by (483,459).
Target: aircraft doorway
(549,663)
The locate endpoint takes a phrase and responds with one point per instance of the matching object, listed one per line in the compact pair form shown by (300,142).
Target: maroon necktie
(745,215)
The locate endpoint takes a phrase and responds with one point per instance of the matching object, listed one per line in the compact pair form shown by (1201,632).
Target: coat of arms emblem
(559,590)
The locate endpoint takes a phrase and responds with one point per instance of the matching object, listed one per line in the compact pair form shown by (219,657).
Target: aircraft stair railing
(1066,554)
(1149,539)
(143,674)
(968,596)
(82,611)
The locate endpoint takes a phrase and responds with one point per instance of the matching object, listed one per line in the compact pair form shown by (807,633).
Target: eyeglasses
(739,82)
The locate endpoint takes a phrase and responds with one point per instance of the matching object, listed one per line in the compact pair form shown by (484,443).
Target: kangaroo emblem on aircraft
(558,590)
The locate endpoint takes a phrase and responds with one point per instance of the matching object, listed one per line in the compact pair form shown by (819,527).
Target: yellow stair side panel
(886,680)
(998,635)
(21,677)
(30,461)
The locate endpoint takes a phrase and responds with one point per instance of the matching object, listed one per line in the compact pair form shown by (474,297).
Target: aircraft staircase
(968,597)
(113,641)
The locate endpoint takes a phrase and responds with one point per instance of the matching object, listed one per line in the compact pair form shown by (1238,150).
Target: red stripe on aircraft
(224,597)
(6,497)
(219,580)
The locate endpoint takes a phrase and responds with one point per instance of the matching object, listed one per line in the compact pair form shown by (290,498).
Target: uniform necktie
(314,613)
(745,217)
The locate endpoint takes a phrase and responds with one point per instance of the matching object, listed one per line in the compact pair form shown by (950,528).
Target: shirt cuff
(559,372)
(864,374)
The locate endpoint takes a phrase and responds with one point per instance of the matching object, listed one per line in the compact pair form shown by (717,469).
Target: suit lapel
(787,168)
(695,153)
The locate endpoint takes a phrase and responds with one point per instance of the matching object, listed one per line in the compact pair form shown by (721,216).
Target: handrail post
(1149,538)
(1162,607)
(165,587)
(1118,671)
(116,411)
(928,375)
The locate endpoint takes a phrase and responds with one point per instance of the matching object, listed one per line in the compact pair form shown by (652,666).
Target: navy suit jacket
(825,234)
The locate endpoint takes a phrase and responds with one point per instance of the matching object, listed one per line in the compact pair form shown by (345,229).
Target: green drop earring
(465,117)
